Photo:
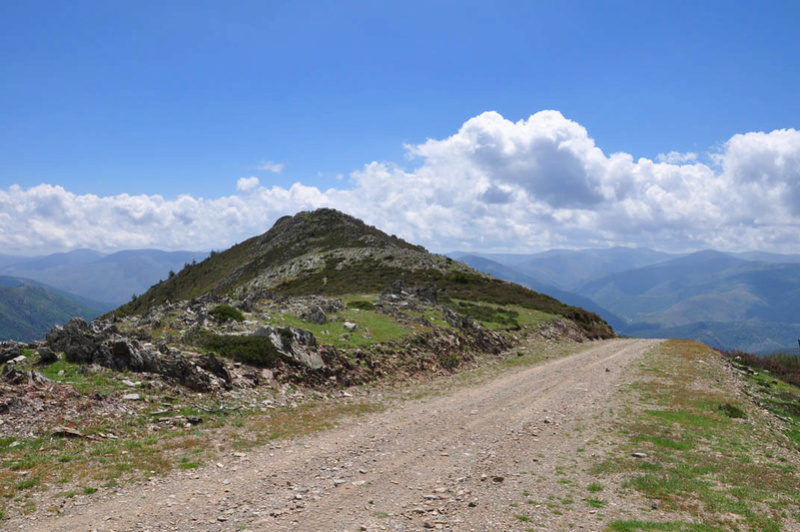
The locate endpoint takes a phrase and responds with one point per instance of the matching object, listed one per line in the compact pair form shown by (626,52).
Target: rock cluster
(102,344)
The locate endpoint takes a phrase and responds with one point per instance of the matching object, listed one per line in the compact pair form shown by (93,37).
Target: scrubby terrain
(290,320)
(451,400)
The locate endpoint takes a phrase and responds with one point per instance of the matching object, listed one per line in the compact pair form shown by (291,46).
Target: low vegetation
(226,312)
(784,366)
(257,351)
(695,449)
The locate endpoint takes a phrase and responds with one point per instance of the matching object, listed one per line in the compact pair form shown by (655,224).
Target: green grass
(594,487)
(701,459)
(103,381)
(373,327)
(670,526)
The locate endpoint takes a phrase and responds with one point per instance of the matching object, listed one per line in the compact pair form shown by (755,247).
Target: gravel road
(508,454)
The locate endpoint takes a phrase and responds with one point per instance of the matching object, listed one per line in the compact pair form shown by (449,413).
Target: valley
(747,302)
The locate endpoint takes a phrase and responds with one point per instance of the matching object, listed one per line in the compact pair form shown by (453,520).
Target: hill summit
(329,253)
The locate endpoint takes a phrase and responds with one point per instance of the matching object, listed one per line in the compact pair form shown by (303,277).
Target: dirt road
(508,454)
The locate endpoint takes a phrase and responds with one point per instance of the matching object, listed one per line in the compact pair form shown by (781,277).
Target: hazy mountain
(568,269)
(774,258)
(111,278)
(28,309)
(731,302)
(747,336)
(510,274)
(747,300)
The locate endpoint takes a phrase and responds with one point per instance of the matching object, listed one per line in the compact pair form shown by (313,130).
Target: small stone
(639,455)
(63,432)
(498,479)
(131,397)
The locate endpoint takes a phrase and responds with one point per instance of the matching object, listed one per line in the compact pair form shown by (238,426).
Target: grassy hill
(329,253)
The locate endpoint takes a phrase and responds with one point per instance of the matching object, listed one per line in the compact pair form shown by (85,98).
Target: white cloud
(675,157)
(269,166)
(493,185)
(247,183)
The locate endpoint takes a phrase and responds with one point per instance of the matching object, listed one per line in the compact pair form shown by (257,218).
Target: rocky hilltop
(328,253)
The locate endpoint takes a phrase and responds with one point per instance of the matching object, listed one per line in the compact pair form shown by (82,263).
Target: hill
(28,310)
(328,253)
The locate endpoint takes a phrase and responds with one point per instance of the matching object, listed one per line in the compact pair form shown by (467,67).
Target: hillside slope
(28,310)
(510,274)
(719,299)
(328,253)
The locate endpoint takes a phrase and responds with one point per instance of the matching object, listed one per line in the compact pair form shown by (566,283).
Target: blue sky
(123,108)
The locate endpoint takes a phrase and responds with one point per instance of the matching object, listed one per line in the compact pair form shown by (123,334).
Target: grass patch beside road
(709,454)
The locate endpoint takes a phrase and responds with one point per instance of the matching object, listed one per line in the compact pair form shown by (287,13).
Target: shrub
(732,411)
(254,350)
(486,313)
(226,312)
(449,361)
(361,305)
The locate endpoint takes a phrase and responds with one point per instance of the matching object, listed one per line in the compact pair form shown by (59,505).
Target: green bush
(486,313)
(732,411)
(361,305)
(254,350)
(226,312)
(449,361)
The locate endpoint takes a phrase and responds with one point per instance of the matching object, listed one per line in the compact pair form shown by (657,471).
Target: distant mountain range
(37,293)
(28,310)
(110,278)
(747,301)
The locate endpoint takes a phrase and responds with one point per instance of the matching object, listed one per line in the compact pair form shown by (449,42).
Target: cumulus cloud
(269,166)
(247,183)
(494,184)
